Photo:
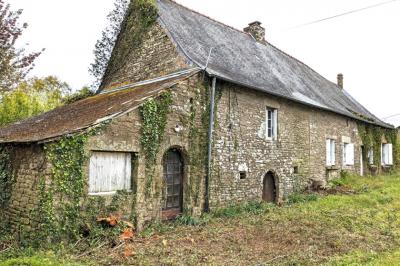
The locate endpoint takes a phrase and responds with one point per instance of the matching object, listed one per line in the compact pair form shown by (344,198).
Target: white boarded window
(330,152)
(387,154)
(348,154)
(110,172)
(272,124)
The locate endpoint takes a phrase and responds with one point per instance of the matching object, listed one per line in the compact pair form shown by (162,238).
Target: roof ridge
(248,34)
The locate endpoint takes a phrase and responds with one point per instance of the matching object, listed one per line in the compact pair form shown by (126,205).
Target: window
(371,156)
(110,172)
(272,124)
(348,154)
(296,170)
(387,154)
(242,175)
(330,152)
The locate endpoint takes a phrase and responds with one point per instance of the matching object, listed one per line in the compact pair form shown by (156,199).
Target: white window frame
(109,172)
(387,154)
(273,129)
(348,154)
(330,152)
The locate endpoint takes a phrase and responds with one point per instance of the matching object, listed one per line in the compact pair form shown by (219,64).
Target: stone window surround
(274,123)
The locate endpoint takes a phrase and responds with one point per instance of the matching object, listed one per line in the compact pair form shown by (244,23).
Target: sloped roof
(90,111)
(238,58)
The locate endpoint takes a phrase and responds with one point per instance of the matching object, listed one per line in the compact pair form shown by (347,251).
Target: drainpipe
(210,139)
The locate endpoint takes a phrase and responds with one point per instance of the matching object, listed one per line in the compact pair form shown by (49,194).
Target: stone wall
(123,135)
(154,57)
(297,157)
(28,166)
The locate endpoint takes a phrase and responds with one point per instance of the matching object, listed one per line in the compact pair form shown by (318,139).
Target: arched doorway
(173,178)
(269,188)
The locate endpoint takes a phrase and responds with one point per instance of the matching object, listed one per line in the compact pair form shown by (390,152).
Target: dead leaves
(110,221)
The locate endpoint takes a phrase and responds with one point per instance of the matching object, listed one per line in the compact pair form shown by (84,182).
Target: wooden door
(269,188)
(173,177)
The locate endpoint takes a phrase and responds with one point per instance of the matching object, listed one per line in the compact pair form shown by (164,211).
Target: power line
(391,116)
(343,14)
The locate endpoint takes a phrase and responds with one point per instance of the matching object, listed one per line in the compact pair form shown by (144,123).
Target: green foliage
(39,260)
(301,198)
(192,221)
(154,115)
(197,142)
(6,178)
(85,92)
(371,137)
(67,157)
(139,17)
(31,98)
(105,45)
(252,207)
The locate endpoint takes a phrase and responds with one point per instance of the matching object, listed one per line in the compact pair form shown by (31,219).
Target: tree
(83,93)
(15,63)
(105,45)
(31,98)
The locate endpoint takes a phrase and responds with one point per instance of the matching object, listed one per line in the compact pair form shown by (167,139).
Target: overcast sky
(364,46)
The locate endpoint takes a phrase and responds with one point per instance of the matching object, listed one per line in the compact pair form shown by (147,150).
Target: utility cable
(343,14)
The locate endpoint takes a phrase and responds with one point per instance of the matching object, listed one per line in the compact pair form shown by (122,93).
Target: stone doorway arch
(270,188)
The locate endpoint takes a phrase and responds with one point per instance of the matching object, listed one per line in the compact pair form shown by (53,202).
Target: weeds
(301,198)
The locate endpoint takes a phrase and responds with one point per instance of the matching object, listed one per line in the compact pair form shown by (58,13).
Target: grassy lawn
(358,226)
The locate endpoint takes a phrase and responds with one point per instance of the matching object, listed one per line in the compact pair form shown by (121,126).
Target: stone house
(193,115)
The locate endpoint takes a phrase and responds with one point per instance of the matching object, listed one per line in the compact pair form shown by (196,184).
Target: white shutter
(328,153)
(382,155)
(333,152)
(350,154)
(109,172)
(390,154)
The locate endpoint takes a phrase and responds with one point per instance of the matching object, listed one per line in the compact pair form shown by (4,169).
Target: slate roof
(90,111)
(238,58)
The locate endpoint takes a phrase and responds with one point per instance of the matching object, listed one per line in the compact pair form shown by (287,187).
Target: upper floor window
(348,154)
(330,152)
(387,154)
(272,124)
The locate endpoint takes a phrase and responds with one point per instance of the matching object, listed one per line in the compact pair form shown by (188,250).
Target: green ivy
(6,178)
(154,116)
(371,137)
(59,213)
(198,141)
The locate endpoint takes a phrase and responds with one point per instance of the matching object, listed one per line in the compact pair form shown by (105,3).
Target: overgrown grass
(356,229)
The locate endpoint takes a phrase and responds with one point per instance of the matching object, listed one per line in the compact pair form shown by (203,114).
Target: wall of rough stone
(240,143)
(28,166)
(123,135)
(154,57)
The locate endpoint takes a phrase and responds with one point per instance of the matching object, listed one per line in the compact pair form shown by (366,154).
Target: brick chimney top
(257,31)
(340,80)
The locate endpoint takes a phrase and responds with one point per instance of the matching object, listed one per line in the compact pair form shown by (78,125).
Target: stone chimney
(340,80)
(256,31)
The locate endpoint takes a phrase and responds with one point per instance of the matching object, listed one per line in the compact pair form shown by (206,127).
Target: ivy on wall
(6,179)
(371,137)
(59,212)
(154,120)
